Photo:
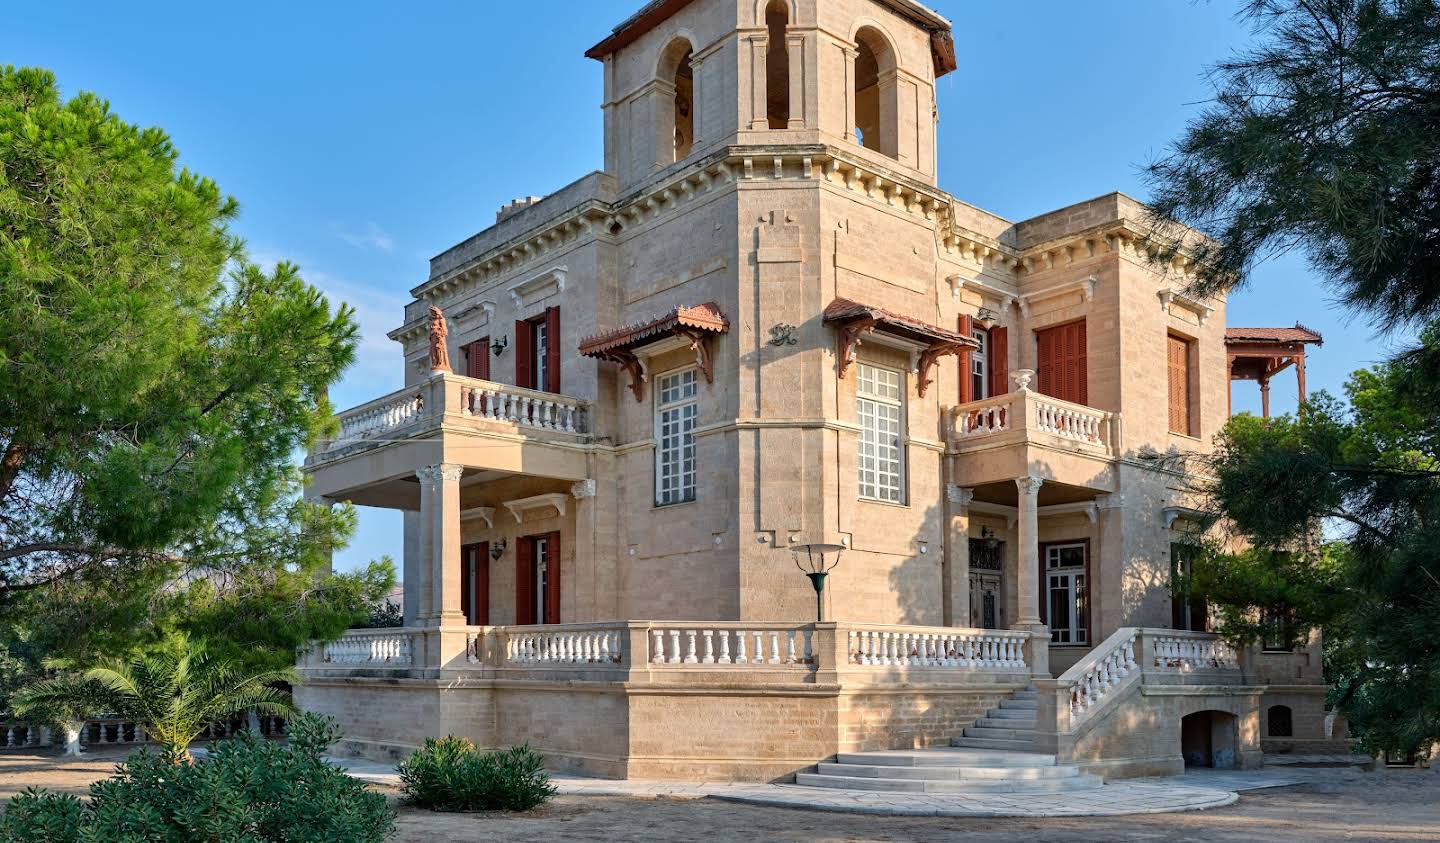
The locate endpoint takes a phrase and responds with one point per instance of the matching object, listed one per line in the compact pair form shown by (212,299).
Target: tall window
(676,407)
(477,359)
(880,406)
(537,351)
(537,579)
(1182,399)
(1186,610)
(777,65)
(1067,587)
(980,365)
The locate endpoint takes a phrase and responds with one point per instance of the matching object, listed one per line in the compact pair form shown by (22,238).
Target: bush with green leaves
(247,790)
(449,774)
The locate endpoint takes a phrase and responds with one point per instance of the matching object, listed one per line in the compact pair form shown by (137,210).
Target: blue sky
(361,142)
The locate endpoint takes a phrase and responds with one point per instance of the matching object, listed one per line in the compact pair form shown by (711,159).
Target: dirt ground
(1340,805)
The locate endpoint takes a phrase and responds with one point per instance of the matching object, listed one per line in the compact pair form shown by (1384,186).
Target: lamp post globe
(817,560)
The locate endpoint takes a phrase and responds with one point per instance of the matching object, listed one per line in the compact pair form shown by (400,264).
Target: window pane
(880,455)
(676,413)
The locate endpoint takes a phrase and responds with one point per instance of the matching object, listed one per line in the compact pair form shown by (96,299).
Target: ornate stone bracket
(850,334)
(700,344)
(928,358)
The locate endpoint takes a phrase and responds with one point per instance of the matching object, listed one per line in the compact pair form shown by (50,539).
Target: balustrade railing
(563,645)
(938,647)
(544,411)
(1103,669)
(118,731)
(1194,651)
(1025,411)
(469,397)
(372,647)
(730,644)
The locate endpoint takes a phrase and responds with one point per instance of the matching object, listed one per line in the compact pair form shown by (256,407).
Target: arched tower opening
(777,64)
(876,108)
(675,69)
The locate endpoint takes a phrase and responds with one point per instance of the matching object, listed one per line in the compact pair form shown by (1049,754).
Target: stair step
(965,773)
(1030,694)
(1012,714)
(993,743)
(947,757)
(1002,733)
(1028,705)
(1079,782)
(1025,724)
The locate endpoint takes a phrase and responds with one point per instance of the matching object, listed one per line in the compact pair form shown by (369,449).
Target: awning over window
(694,325)
(854,320)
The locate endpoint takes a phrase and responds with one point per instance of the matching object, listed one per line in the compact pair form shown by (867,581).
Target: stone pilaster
(1027,555)
(956,585)
(440,513)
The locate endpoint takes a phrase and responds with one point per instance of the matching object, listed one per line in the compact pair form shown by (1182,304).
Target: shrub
(448,774)
(248,789)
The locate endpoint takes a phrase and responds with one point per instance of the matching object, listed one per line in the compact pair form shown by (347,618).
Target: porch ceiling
(1050,493)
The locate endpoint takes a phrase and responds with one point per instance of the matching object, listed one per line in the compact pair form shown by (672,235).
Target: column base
(1038,650)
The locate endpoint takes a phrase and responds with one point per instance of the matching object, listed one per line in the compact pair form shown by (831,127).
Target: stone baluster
(690,657)
(657,656)
(774,647)
(674,654)
(709,657)
(758,656)
(739,647)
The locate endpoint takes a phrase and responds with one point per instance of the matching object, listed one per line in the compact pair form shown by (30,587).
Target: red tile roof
(703,317)
(1299,333)
(844,310)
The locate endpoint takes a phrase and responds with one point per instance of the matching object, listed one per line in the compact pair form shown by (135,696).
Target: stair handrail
(1096,681)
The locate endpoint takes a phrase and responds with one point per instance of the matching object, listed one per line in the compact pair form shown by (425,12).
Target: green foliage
(383,614)
(248,790)
(155,385)
(1341,507)
(448,774)
(1322,137)
(176,690)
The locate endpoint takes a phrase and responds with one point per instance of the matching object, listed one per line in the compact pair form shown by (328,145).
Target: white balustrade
(733,645)
(23,736)
(1095,676)
(939,647)
(1068,421)
(380,416)
(1193,652)
(497,402)
(982,418)
(391,648)
(562,646)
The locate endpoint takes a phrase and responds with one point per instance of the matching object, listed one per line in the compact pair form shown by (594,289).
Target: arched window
(675,69)
(777,65)
(1281,720)
(876,108)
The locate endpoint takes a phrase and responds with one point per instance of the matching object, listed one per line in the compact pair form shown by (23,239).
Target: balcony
(1031,418)
(449,419)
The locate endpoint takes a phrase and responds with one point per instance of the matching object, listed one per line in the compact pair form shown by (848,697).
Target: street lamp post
(811,559)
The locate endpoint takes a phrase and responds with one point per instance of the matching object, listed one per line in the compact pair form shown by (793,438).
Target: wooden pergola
(1258,354)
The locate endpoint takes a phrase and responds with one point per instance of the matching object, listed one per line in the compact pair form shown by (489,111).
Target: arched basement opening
(1210,739)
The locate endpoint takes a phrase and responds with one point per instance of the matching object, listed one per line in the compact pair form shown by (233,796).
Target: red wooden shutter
(524,354)
(552,580)
(477,359)
(1060,363)
(1179,365)
(999,360)
(482,585)
(552,349)
(524,581)
(966,386)
(467,557)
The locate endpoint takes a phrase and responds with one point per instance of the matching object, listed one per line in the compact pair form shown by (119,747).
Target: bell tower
(683,77)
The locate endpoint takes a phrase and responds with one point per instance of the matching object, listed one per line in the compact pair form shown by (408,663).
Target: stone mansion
(764,326)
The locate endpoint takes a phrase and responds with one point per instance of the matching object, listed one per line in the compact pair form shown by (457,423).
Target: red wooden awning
(695,324)
(854,320)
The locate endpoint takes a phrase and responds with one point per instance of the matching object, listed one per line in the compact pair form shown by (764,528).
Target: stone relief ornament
(439,351)
(782,334)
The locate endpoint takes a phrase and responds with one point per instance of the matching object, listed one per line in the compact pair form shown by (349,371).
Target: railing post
(636,653)
(831,647)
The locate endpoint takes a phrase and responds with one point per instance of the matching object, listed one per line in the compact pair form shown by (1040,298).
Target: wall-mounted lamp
(986,317)
(987,535)
(497,549)
(499,345)
(811,559)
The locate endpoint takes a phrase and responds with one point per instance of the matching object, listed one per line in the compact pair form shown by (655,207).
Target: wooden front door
(1060,362)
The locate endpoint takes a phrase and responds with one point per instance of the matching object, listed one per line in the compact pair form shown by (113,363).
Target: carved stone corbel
(928,358)
(849,338)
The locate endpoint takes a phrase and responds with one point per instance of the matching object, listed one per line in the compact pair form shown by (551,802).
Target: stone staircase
(993,756)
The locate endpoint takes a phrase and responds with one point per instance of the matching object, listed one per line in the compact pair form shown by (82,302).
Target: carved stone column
(586,554)
(423,581)
(850,55)
(956,585)
(759,81)
(1028,553)
(795,46)
(440,489)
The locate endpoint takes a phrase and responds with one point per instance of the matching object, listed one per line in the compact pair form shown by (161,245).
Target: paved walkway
(1192,791)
